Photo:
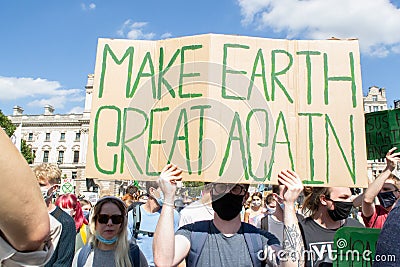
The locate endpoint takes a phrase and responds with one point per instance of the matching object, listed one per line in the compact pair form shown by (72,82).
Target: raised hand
(392,159)
(292,183)
(169,177)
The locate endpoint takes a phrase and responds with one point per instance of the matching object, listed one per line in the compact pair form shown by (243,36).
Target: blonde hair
(47,173)
(121,251)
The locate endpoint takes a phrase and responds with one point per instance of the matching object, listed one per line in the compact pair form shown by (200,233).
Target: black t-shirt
(318,241)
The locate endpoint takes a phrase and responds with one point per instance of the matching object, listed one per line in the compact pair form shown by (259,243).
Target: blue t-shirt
(148,223)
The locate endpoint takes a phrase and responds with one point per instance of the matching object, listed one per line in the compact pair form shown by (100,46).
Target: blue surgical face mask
(160,200)
(106,241)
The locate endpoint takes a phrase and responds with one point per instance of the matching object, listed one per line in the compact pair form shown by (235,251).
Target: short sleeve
(185,230)
(10,256)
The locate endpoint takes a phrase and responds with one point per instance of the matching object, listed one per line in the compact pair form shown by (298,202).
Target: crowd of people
(226,226)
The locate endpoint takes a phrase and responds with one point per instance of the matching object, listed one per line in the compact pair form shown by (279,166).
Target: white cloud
(91,6)
(374,22)
(135,31)
(166,35)
(41,90)
(76,110)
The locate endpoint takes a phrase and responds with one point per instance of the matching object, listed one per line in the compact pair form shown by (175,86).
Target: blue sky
(48,47)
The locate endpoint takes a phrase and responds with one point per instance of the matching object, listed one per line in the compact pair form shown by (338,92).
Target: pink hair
(70,201)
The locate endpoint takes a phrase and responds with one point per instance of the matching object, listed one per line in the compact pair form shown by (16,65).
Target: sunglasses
(115,219)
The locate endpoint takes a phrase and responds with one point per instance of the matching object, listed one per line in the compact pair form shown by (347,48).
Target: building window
(60,157)
(374,98)
(74,175)
(77,136)
(62,137)
(30,136)
(76,156)
(376,108)
(46,156)
(47,137)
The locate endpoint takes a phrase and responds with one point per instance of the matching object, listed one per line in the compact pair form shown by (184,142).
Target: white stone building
(62,139)
(375,100)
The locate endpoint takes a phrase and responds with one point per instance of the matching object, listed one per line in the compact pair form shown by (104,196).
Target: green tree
(193,188)
(6,124)
(9,128)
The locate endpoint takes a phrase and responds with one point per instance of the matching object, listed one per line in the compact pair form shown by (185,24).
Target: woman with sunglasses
(108,244)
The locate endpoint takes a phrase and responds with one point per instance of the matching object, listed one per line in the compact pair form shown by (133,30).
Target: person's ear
(322,199)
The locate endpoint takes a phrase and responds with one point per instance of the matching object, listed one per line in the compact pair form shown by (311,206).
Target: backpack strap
(57,213)
(253,242)
(84,254)
(134,254)
(264,222)
(198,238)
(137,215)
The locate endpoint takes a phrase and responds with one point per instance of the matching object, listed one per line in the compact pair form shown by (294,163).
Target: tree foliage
(6,124)
(10,128)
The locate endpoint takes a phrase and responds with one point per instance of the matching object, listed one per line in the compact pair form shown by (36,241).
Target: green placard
(355,246)
(382,131)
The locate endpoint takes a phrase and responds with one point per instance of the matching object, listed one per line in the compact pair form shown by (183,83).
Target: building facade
(62,139)
(375,100)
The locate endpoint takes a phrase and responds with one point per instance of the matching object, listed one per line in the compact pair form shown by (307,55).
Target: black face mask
(227,206)
(341,211)
(387,199)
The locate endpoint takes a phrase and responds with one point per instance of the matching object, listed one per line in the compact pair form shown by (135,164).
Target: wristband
(168,204)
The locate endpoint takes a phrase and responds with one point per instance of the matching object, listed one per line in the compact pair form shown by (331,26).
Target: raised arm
(25,224)
(168,249)
(368,207)
(292,240)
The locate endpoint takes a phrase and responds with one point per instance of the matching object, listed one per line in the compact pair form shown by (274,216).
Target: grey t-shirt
(221,250)
(275,227)
(106,258)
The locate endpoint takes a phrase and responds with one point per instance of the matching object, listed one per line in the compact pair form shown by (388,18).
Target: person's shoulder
(62,216)
(353,222)
(133,205)
(253,231)
(199,226)
(176,213)
(305,220)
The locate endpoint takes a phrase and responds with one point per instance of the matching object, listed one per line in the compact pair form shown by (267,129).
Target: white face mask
(256,203)
(68,211)
(271,210)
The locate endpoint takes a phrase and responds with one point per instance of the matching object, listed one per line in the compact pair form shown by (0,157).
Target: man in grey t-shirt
(227,238)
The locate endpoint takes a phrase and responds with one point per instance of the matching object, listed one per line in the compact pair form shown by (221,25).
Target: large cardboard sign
(228,109)
(382,131)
